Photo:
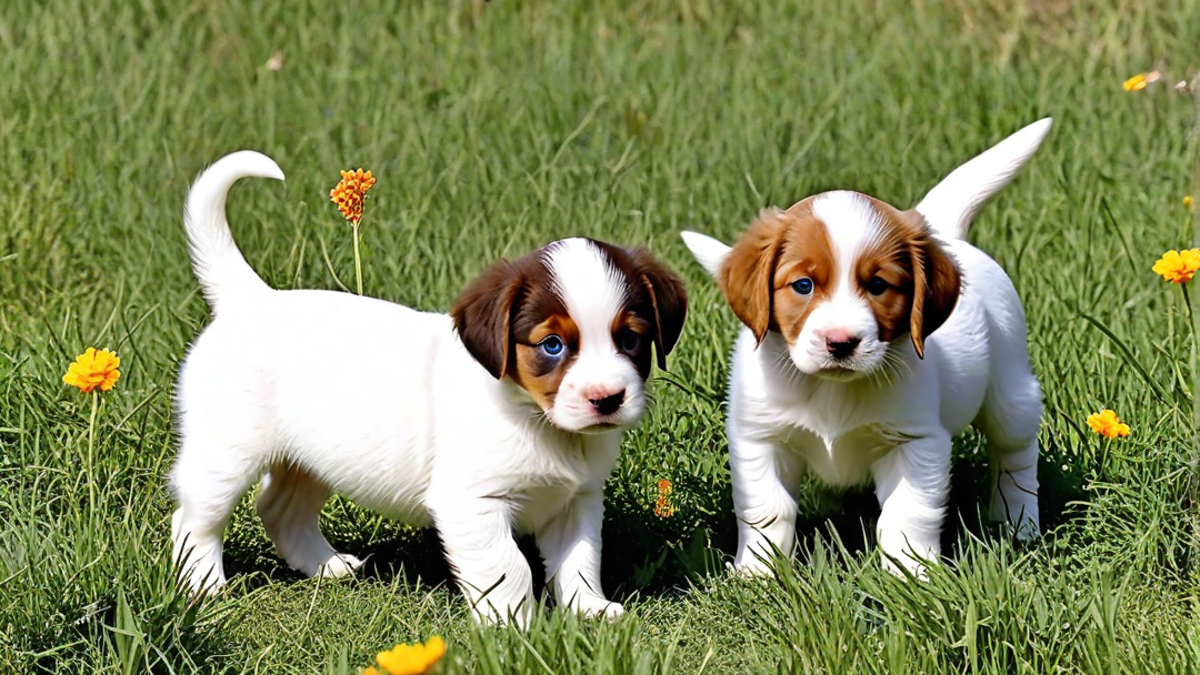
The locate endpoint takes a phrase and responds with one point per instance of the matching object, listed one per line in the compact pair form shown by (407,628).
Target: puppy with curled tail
(503,417)
(871,337)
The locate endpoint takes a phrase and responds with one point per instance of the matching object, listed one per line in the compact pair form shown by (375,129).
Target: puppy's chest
(553,478)
(840,451)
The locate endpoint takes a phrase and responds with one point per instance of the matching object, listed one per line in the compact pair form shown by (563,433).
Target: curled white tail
(222,271)
(951,205)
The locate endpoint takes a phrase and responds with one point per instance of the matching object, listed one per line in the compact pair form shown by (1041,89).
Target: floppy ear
(745,276)
(952,204)
(936,285)
(483,314)
(669,298)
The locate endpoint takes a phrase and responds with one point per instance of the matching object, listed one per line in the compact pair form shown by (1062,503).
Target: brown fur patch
(536,372)
(484,311)
(778,249)
(656,296)
(805,252)
(923,280)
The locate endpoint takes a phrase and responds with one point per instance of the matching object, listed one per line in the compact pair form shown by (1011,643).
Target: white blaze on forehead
(852,223)
(592,289)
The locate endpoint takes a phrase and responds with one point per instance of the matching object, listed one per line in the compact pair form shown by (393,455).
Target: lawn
(494,128)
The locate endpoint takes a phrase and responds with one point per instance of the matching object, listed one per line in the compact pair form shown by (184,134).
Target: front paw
(905,566)
(339,565)
(597,607)
(751,569)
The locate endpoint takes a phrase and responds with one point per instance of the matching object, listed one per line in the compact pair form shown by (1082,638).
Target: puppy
(503,417)
(872,336)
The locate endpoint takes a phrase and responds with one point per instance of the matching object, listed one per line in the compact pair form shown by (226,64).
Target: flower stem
(357,261)
(1194,460)
(91,466)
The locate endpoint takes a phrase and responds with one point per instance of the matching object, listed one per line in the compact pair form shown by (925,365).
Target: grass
(494,128)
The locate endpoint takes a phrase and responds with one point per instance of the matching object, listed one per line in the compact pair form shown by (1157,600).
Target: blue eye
(877,286)
(553,345)
(803,286)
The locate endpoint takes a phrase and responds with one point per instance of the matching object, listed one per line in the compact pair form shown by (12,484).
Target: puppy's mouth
(839,372)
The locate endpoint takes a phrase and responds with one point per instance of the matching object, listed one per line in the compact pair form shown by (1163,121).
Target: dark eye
(629,341)
(877,286)
(553,345)
(803,286)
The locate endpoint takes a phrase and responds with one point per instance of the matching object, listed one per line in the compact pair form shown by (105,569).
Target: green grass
(496,128)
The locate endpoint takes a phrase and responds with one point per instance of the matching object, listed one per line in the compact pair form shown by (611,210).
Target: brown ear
(747,273)
(936,284)
(483,315)
(669,298)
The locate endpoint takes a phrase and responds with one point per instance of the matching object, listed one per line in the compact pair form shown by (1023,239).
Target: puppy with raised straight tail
(503,416)
(871,337)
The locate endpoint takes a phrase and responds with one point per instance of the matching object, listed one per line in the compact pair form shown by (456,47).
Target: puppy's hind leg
(290,508)
(208,479)
(1012,411)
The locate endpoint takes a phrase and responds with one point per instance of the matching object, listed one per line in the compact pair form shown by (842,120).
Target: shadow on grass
(645,555)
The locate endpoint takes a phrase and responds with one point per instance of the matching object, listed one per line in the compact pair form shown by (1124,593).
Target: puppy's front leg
(912,483)
(765,477)
(570,547)
(491,570)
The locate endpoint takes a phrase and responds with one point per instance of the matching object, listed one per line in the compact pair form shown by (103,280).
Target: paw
(905,565)
(597,607)
(751,567)
(201,580)
(340,565)
(518,615)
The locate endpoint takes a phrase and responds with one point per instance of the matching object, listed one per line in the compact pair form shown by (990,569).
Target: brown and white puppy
(503,417)
(872,336)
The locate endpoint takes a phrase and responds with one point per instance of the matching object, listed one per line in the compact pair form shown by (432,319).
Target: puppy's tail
(222,271)
(952,204)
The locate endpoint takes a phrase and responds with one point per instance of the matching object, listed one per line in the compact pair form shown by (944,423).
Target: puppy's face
(575,324)
(841,277)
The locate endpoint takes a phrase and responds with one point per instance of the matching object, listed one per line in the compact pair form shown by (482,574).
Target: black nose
(609,404)
(841,350)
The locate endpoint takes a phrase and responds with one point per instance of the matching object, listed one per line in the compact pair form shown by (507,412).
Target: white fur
(328,392)
(952,204)
(893,426)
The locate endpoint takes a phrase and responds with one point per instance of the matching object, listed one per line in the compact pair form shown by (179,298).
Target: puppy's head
(576,325)
(841,276)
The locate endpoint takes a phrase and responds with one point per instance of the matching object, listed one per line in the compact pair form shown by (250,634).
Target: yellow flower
(1107,425)
(1178,267)
(94,369)
(1138,82)
(349,193)
(415,659)
(1187,201)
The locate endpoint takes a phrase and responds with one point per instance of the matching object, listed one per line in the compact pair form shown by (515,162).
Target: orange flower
(415,659)
(663,508)
(1107,425)
(94,369)
(349,193)
(1178,267)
